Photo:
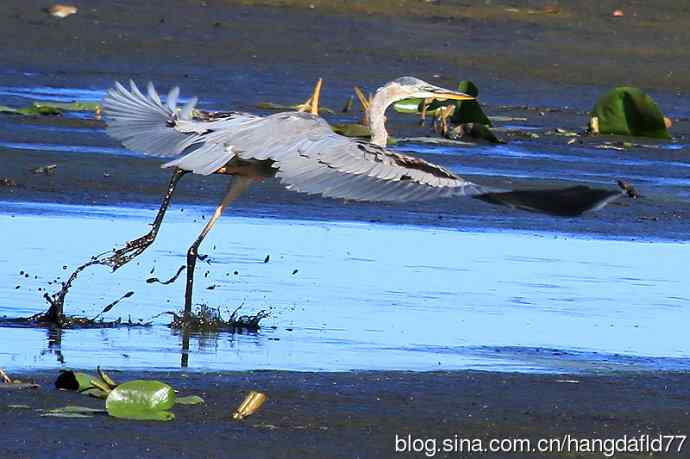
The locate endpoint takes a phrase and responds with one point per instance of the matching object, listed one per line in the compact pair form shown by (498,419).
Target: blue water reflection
(364,296)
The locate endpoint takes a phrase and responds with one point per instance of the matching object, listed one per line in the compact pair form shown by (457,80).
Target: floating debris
(14,384)
(8,182)
(250,405)
(62,11)
(45,170)
(348,105)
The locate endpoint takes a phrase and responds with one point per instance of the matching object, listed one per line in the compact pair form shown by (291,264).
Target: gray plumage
(307,155)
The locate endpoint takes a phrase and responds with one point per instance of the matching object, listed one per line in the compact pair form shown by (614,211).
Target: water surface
(365,296)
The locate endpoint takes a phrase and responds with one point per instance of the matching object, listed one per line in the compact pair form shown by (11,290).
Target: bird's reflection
(54,335)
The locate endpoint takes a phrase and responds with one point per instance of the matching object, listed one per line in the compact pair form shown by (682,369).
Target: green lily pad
(352,130)
(33,110)
(408,106)
(629,111)
(75,106)
(466,111)
(189,400)
(141,400)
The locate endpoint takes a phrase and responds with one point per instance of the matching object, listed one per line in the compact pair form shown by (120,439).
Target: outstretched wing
(308,156)
(146,124)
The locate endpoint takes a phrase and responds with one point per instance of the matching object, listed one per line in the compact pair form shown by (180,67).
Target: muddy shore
(353,414)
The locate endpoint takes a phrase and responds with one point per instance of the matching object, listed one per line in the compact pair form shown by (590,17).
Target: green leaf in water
(469,111)
(189,400)
(141,400)
(31,111)
(73,411)
(352,130)
(466,111)
(70,380)
(75,106)
(66,415)
(629,111)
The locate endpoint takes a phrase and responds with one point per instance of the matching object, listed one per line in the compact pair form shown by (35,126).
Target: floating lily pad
(75,106)
(33,110)
(189,400)
(141,400)
(352,130)
(629,111)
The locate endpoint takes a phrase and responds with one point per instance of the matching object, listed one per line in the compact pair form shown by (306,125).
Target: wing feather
(307,154)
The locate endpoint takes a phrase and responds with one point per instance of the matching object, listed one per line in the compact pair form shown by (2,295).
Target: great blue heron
(302,151)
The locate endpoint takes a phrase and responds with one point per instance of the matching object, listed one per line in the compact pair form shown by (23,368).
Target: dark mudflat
(357,414)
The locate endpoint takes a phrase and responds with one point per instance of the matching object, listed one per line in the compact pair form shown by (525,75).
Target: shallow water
(366,296)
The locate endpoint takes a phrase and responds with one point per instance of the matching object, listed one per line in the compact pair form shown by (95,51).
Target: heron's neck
(377,114)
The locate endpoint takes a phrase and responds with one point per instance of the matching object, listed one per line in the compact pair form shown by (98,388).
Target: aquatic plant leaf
(469,111)
(189,400)
(630,111)
(482,132)
(466,111)
(352,130)
(75,106)
(140,414)
(408,106)
(31,111)
(141,400)
(66,415)
(77,409)
(73,411)
(289,108)
(70,380)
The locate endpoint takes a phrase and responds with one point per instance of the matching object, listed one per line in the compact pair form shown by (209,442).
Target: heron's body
(302,152)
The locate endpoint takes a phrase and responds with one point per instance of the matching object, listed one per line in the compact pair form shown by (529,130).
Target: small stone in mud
(211,287)
(268,257)
(16,287)
(295,271)
(236,273)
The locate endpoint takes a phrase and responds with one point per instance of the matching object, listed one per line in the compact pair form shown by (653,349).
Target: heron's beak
(448,94)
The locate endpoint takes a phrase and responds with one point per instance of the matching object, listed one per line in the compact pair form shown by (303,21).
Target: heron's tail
(563,202)
(143,123)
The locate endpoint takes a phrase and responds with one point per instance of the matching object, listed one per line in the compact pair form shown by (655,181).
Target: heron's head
(411,87)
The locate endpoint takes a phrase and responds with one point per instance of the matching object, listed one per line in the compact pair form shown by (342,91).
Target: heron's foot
(131,250)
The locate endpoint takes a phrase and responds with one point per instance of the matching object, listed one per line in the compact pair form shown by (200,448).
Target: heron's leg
(237,186)
(135,247)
